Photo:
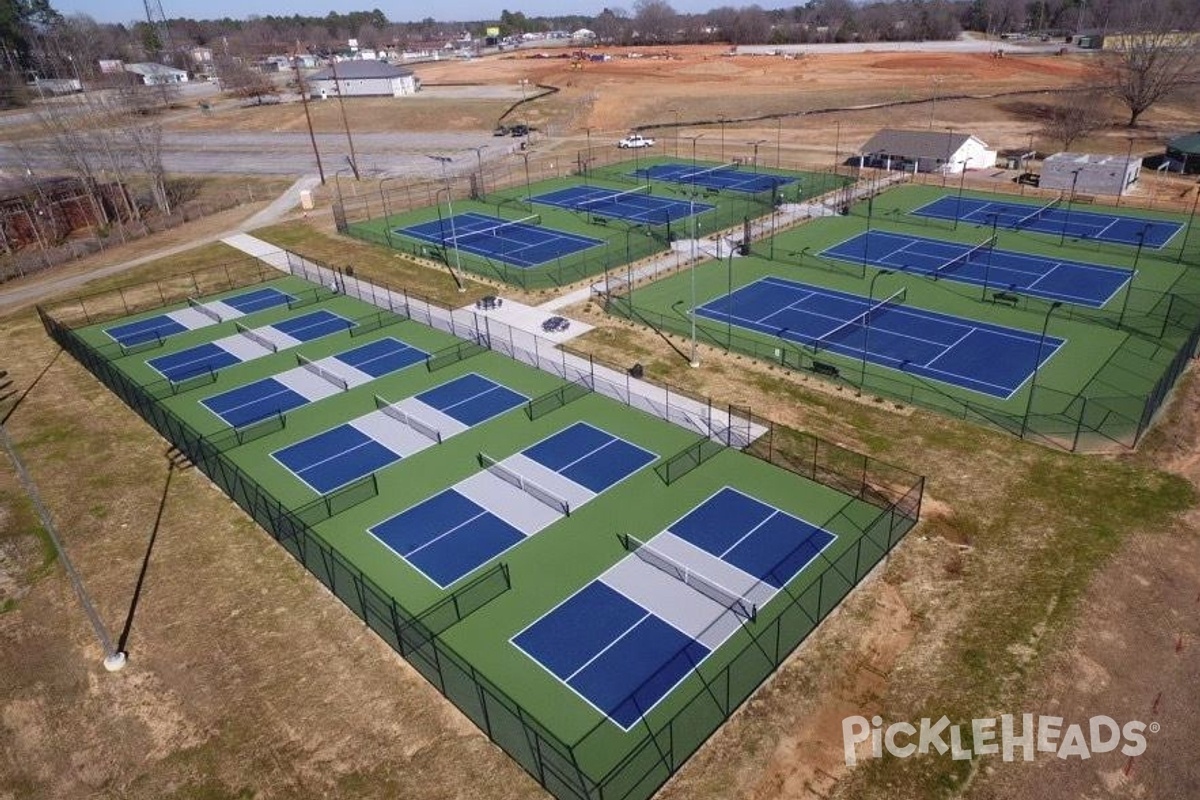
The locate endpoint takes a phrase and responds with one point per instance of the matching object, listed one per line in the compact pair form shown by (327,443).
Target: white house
(948,152)
(157,74)
(364,79)
(1090,174)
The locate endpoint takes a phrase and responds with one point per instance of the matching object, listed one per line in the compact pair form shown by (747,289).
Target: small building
(947,152)
(1089,173)
(1183,154)
(157,74)
(364,79)
(201,55)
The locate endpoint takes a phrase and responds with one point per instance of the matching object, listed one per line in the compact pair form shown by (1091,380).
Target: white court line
(950,347)
(443,534)
(609,646)
(255,401)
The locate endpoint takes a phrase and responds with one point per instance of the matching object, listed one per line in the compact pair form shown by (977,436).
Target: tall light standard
(987,267)
(694,362)
(387,226)
(1067,217)
(962,180)
(524,111)
(675,111)
(1188,232)
(867,325)
(1125,178)
(528,189)
(444,160)
(479,165)
(721,119)
(937,82)
(778,142)
(1037,363)
(1133,275)
(949,153)
(729,301)
(755,145)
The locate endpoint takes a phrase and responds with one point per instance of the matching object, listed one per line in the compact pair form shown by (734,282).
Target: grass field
(543,569)
(1114,357)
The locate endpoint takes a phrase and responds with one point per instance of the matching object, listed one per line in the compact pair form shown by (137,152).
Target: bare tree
(1077,115)
(243,81)
(146,145)
(655,20)
(1144,66)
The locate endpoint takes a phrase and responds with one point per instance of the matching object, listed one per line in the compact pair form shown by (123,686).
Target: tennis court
(627,638)
(634,205)
(1054,218)
(986,358)
(248,344)
(1076,282)
(312,381)
(352,450)
(453,533)
(522,243)
(196,315)
(727,176)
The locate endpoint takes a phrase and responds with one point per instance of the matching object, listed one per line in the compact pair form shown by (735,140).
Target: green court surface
(1103,386)
(621,242)
(459,637)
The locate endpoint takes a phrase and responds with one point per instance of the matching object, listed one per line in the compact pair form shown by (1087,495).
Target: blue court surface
(261,399)
(634,205)
(207,357)
(1078,224)
(211,356)
(991,359)
(521,244)
(163,325)
(622,655)
(729,177)
(315,325)
(1073,282)
(450,535)
(343,454)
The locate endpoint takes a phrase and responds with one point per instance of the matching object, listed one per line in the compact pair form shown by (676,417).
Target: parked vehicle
(635,141)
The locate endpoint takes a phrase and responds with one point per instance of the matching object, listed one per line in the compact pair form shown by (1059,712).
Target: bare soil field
(1038,582)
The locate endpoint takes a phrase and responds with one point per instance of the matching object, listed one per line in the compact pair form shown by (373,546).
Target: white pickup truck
(634,141)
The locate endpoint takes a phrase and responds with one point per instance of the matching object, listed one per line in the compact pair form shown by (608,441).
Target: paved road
(291,153)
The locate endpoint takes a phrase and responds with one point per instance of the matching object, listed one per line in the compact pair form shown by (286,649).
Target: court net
(205,310)
(530,488)
(423,428)
(323,373)
(737,603)
(827,339)
(963,258)
(615,199)
(1037,214)
(256,337)
(700,173)
(494,232)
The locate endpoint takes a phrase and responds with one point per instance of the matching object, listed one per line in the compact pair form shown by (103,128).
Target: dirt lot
(1037,583)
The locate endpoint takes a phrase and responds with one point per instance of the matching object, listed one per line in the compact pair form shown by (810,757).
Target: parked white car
(635,141)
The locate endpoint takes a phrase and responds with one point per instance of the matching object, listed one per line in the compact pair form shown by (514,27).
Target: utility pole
(303,88)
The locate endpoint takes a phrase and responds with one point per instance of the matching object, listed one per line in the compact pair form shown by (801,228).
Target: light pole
(1067,217)
(528,188)
(694,362)
(721,119)
(987,267)
(524,111)
(755,145)
(729,301)
(867,325)
(837,144)
(337,88)
(937,81)
(1187,233)
(962,180)
(479,164)
(303,88)
(1036,365)
(1133,275)
(675,111)
(444,160)
(1125,178)
(949,153)
(778,142)
(387,226)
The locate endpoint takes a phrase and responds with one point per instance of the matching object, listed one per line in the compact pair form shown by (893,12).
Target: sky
(447,10)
